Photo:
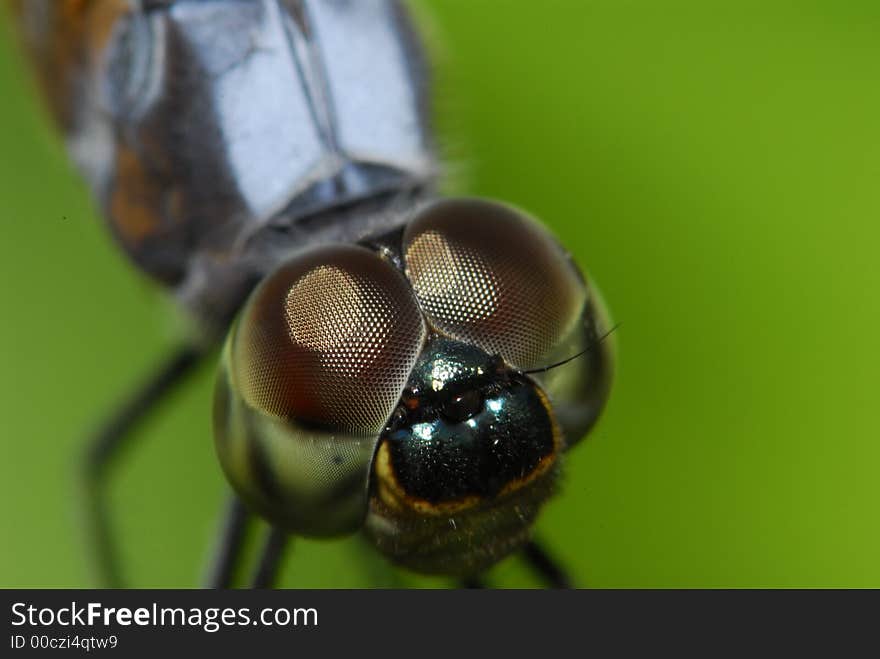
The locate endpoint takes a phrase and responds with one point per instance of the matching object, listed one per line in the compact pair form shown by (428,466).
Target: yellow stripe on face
(392,494)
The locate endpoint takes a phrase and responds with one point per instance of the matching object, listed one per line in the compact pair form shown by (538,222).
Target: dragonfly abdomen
(200,124)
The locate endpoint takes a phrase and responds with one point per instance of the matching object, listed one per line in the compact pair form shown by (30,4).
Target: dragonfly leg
(104,448)
(271,557)
(472,583)
(553,575)
(229,545)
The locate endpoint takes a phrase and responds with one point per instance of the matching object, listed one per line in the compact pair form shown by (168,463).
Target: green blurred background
(715,167)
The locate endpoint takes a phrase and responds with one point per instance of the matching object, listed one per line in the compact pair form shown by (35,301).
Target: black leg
(271,557)
(106,446)
(230,543)
(544,565)
(472,583)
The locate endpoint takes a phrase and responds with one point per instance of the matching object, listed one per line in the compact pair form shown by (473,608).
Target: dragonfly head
(398,388)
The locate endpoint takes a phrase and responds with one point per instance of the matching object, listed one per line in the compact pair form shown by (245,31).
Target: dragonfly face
(386,368)
(387,386)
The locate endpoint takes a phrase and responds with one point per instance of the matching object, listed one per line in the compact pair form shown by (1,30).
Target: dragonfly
(392,362)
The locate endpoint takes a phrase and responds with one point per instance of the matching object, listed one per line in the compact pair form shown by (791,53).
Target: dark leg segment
(105,447)
(271,558)
(544,565)
(230,543)
(472,583)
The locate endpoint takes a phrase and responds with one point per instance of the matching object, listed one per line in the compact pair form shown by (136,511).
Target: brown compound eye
(328,340)
(488,274)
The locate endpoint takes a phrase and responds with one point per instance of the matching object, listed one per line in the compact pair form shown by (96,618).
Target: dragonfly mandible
(394,363)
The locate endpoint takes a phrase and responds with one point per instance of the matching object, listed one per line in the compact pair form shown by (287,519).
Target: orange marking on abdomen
(134,199)
(66,40)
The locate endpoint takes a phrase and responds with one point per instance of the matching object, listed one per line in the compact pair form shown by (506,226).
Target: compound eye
(328,340)
(491,275)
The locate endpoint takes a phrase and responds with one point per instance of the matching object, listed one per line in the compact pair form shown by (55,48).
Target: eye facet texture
(329,339)
(488,274)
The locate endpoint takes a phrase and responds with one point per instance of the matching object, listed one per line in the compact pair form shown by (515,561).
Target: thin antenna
(573,357)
